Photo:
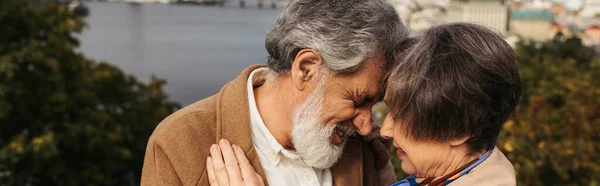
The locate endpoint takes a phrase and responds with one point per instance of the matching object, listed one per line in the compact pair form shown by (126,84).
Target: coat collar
(233,117)
(233,124)
(349,169)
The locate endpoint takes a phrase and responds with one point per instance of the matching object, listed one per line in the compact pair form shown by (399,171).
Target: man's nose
(363,123)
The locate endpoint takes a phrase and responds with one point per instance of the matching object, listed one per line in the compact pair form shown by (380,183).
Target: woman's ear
(305,67)
(459,141)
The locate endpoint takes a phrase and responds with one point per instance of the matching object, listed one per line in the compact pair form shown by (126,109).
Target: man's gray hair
(343,32)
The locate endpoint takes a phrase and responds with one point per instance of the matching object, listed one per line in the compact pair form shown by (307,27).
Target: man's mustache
(345,130)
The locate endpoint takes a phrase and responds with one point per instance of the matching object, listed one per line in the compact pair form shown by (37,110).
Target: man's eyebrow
(374,98)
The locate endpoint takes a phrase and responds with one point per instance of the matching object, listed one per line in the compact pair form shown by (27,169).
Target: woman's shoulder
(496,170)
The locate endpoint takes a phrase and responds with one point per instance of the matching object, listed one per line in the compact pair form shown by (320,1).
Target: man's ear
(305,68)
(458,141)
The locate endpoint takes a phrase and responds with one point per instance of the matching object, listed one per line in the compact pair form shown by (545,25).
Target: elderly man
(295,117)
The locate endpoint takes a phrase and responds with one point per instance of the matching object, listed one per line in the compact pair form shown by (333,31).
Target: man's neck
(275,109)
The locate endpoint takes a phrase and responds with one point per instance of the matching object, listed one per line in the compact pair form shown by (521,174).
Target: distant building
(592,2)
(533,4)
(532,24)
(590,21)
(490,13)
(561,15)
(146,1)
(419,15)
(590,14)
(558,28)
(592,36)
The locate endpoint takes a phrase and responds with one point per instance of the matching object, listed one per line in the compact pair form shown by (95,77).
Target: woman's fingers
(212,179)
(231,163)
(245,166)
(261,182)
(227,164)
(218,165)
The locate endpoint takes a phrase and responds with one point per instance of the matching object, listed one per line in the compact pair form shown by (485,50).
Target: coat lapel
(233,117)
(349,169)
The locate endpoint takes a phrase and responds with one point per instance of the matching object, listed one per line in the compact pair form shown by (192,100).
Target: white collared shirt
(271,153)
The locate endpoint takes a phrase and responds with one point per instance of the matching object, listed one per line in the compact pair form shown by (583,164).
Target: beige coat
(177,150)
(496,170)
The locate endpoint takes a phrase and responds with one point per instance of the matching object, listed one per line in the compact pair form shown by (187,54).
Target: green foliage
(553,138)
(65,119)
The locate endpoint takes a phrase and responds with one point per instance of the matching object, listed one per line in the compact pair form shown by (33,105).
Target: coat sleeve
(387,176)
(177,150)
(158,170)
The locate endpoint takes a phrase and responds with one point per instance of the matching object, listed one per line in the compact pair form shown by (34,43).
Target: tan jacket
(496,170)
(177,150)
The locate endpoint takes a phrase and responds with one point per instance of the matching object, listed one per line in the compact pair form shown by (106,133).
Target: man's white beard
(311,137)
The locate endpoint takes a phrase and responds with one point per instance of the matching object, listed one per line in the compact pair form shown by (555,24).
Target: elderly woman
(448,97)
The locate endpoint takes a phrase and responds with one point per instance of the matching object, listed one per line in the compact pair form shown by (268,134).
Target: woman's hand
(228,165)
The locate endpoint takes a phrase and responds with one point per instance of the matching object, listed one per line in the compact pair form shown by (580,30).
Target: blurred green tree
(553,138)
(65,119)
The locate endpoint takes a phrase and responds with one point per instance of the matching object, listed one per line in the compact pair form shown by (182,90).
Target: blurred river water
(197,49)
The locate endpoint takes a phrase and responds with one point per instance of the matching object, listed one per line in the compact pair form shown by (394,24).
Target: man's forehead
(375,87)
(375,74)
(378,58)
(369,78)
(380,69)
(379,90)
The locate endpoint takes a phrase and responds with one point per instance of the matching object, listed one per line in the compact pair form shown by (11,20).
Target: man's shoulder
(198,118)
(178,147)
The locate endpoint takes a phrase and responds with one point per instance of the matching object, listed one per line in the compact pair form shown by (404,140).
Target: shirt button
(306,176)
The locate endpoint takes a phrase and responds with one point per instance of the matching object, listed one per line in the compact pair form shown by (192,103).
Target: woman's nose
(387,128)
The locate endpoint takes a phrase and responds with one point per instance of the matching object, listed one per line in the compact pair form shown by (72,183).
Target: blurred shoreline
(197,49)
